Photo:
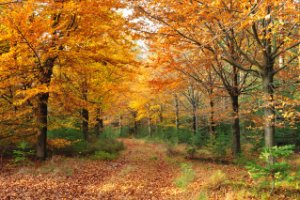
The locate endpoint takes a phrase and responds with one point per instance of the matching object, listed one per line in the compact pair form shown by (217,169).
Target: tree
(44,36)
(265,31)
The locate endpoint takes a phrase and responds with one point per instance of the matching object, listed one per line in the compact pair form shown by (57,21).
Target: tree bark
(46,72)
(195,124)
(135,128)
(120,125)
(269,109)
(99,123)
(99,127)
(42,114)
(176,111)
(236,135)
(149,126)
(236,141)
(211,118)
(268,86)
(85,112)
(85,123)
(135,123)
(161,117)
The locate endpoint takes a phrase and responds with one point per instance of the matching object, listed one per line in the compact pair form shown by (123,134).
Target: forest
(150,99)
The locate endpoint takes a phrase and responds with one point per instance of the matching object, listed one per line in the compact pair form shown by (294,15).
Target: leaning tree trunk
(236,138)
(42,121)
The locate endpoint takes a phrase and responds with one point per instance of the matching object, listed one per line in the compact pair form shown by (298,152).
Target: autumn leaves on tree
(204,63)
(227,48)
(60,56)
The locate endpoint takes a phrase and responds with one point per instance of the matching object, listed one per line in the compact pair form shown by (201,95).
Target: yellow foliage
(58,143)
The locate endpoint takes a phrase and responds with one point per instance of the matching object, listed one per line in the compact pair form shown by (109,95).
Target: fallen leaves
(133,176)
(142,172)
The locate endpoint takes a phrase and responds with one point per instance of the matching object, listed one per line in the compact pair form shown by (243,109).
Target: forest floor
(143,171)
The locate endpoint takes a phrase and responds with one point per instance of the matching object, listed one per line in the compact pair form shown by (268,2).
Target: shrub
(184,136)
(58,143)
(102,155)
(125,132)
(199,139)
(171,149)
(241,160)
(190,152)
(203,195)
(154,158)
(187,175)
(110,133)
(274,168)
(169,134)
(218,145)
(79,147)
(65,133)
(82,147)
(22,152)
(217,179)
(108,145)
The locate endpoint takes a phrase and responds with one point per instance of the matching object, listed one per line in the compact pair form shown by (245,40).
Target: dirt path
(141,172)
(146,174)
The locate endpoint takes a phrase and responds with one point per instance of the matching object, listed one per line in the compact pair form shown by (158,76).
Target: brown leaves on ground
(142,172)
(136,174)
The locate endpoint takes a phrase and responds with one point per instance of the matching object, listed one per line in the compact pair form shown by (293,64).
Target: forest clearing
(149,99)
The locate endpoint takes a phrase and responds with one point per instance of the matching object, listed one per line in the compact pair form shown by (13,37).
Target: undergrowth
(187,175)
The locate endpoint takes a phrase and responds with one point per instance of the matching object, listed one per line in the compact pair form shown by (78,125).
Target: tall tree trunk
(161,117)
(135,128)
(195,124)
(269,109)
(85,123)
(42,114)
(99,123)
(236,138)
(99,127)
(149,126)
(176,111)
(211,118)
(120,125)
(85,112)
(46,71)
(236,141)
(135,123)
(268,85)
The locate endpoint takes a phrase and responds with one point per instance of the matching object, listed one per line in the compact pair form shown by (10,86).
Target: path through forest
(143,171)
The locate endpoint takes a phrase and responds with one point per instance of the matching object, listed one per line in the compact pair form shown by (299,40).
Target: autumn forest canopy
(219,78)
